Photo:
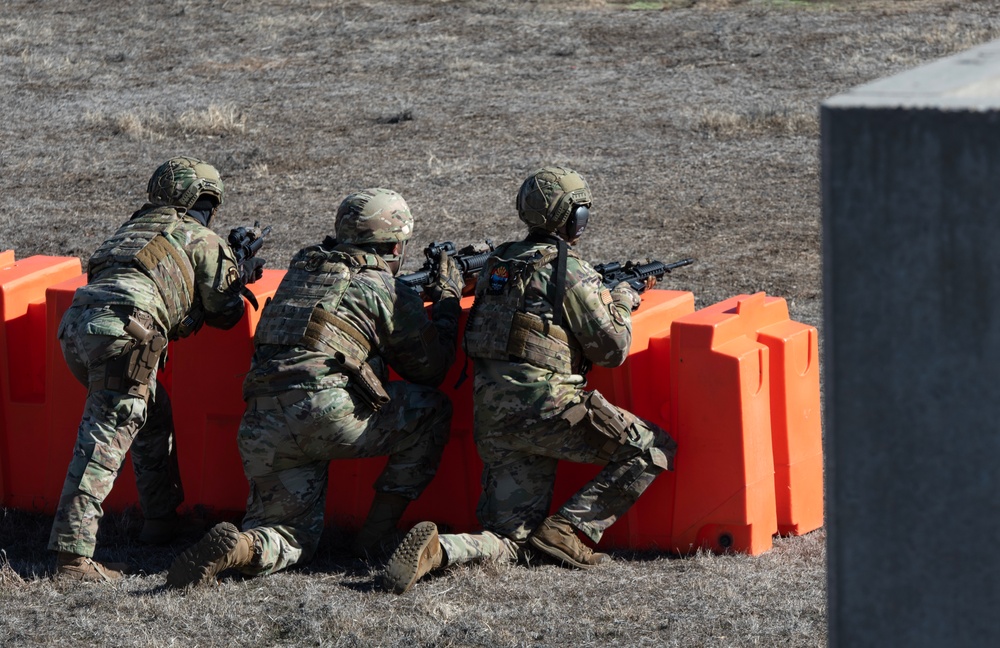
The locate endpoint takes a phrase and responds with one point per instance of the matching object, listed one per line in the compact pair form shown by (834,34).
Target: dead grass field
(694,121)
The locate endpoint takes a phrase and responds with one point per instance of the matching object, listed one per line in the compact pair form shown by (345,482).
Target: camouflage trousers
(287,449)
(479,547)
(520,469)
(113,423)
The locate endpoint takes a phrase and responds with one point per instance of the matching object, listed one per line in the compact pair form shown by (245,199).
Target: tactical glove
(251,270)
(446,281)
(626,295)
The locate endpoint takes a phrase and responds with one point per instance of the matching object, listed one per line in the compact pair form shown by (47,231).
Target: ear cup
(577,221)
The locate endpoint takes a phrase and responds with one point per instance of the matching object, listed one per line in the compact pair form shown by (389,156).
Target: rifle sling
(560,270)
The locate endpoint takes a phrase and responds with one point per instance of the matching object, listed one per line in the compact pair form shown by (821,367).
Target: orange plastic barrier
(796,432)
(642,386)
(737,384)
(748,394)
(725,465)
(23,402)
(207,371)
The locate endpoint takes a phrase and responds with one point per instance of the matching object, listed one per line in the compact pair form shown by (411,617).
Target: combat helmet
(549,196)
(374,216)
(179,182)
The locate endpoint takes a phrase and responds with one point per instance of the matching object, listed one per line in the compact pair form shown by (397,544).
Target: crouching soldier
(159,277)
(541,317)
(318,390)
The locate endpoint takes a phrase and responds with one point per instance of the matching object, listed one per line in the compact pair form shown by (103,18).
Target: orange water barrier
(746,381)
(25,400)
(736,384)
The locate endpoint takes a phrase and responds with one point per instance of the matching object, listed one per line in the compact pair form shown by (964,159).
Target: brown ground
(694,121)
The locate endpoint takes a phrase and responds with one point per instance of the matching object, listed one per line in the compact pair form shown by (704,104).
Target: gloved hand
(626,295)
(251,270)
(447,280)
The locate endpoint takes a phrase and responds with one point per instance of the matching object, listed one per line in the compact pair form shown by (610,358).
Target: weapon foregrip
(416,279)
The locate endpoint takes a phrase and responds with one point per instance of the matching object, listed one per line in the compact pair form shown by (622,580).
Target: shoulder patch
(232,276)
(606,296)
(498,279)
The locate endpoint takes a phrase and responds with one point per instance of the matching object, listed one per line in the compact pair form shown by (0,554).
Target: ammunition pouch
(130,372)
(605,427)
(364,381)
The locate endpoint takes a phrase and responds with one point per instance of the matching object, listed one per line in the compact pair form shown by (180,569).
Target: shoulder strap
(560,272)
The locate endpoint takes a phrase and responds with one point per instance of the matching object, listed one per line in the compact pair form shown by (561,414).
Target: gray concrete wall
(911,263)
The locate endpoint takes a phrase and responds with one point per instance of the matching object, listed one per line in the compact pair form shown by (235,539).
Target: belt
(279,402)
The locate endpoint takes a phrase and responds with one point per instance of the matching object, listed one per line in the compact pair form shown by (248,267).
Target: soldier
(318,390)
(540,318)
(160,276)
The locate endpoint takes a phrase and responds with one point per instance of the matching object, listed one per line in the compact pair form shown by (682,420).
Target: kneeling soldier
(318,390)
(541,317)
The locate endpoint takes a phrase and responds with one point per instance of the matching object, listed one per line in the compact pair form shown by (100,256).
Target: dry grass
(758,121)
(639,600)
(214,121)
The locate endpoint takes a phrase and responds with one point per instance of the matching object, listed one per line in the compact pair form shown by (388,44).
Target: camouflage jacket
(168,264)
(595,321)
(378,320)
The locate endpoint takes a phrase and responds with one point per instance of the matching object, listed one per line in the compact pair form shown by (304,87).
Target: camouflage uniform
(304,408)
(541,317)
(531,409)
(159,268)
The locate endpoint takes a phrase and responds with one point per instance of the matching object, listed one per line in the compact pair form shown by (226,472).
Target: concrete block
(911,269)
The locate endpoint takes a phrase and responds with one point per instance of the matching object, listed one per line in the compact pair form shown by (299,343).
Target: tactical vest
(293,316)
(143,243)
(499,327)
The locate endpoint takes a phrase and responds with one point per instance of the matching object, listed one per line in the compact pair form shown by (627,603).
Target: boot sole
(558,554)
(195,565)
(404,568)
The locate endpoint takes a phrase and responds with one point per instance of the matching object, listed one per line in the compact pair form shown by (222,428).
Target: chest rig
(294,317)
(143,243)
(501,327)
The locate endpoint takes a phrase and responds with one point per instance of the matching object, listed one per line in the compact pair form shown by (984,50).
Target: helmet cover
(179,182)
(373,216)
(547,197)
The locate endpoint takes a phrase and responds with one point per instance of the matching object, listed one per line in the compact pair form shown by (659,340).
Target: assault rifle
(613,273)
(246,242)
(470,260)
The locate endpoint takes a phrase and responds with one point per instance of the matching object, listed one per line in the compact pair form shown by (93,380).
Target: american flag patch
(606,296)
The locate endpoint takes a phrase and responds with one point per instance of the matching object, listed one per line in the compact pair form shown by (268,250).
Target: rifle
(246,242)
(613,272)
(470,260)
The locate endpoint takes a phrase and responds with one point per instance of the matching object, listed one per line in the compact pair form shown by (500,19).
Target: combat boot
(222,548)
(70,566)
(416,556)
(382,518)
(556,538)
(160,531)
